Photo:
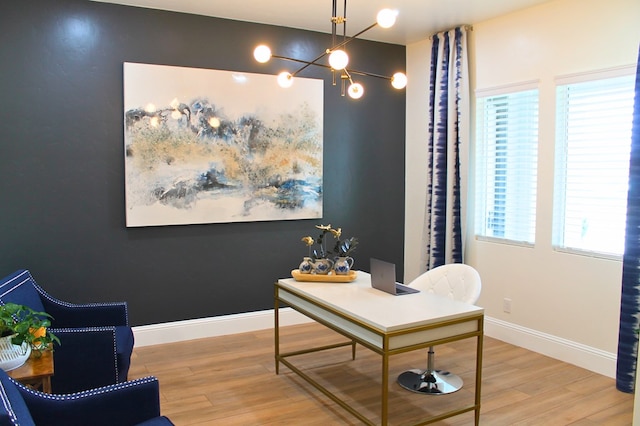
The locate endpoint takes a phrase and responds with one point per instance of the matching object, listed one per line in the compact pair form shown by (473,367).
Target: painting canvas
(211,146)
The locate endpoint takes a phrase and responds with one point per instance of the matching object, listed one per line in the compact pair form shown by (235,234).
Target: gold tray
(329,278)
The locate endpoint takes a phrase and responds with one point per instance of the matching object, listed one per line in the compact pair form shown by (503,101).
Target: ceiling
(417,19)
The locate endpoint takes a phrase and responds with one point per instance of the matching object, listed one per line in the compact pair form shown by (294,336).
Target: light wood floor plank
(231,380)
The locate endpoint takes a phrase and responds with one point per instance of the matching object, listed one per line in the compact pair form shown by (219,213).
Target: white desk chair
(458,282)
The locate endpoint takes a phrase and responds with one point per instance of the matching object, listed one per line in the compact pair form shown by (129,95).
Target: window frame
(560,155)
(480,169)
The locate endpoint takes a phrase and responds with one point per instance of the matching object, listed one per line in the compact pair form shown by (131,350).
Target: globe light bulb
(355,90)
(338,59)
(262,53)
(285,79)
(386,18)
(399,80)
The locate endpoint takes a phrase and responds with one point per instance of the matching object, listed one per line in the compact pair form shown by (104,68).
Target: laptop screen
(383,277)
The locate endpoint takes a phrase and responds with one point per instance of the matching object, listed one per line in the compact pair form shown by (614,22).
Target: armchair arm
(84,315)
(123,404)
(86,358)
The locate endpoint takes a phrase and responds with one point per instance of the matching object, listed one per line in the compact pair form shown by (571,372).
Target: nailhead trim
(6,403)
(88,393)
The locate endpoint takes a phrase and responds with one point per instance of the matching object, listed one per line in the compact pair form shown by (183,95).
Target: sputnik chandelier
(338,58)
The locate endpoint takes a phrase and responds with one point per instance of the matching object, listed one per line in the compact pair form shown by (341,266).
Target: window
(593,144)
(506,164)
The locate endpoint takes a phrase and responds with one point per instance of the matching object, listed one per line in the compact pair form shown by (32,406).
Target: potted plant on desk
(342,251)
(320,263)
(22,330)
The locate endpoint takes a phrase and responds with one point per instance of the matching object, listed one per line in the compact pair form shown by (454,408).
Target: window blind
(506,165)
(593,143)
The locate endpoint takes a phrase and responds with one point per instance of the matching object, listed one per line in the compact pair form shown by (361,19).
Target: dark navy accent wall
(62,160)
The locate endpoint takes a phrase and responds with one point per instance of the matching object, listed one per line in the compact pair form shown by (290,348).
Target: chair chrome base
(436,382)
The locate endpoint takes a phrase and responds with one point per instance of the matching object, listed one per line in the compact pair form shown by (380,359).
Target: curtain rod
(466,27)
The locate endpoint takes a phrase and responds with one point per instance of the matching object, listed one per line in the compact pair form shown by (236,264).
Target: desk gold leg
(276,330)
(385,389)
(479,349)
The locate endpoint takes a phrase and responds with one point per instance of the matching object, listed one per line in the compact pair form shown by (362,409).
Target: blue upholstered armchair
(125,404)
(96,340)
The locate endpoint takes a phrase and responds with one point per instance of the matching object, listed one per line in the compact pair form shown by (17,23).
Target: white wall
(569,299)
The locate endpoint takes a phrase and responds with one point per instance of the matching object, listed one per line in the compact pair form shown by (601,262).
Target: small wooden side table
(36,372)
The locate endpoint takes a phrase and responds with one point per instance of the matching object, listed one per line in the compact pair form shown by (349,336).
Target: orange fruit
(40,332)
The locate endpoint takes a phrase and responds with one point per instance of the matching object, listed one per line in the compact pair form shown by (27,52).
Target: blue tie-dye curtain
(449,94)
(630,303)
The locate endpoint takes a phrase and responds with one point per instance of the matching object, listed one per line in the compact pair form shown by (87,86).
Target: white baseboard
(592,359)
(179,331)
(584,356)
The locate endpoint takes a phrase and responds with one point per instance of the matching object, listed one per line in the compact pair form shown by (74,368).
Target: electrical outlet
(506,305)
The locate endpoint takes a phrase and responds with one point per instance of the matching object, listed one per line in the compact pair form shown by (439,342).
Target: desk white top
(378,309)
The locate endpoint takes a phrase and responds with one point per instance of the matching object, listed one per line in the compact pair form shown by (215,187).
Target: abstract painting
(212,146)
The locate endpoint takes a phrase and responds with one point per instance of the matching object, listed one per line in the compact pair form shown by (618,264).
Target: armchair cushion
(100,362)
(126,404)
(95,337)
(124,349)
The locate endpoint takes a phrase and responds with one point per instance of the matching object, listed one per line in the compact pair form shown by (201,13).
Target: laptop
(383,277)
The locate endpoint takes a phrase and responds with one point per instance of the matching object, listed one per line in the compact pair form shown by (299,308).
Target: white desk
(383,323)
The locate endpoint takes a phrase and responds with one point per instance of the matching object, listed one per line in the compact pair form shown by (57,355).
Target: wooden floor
(231,380)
